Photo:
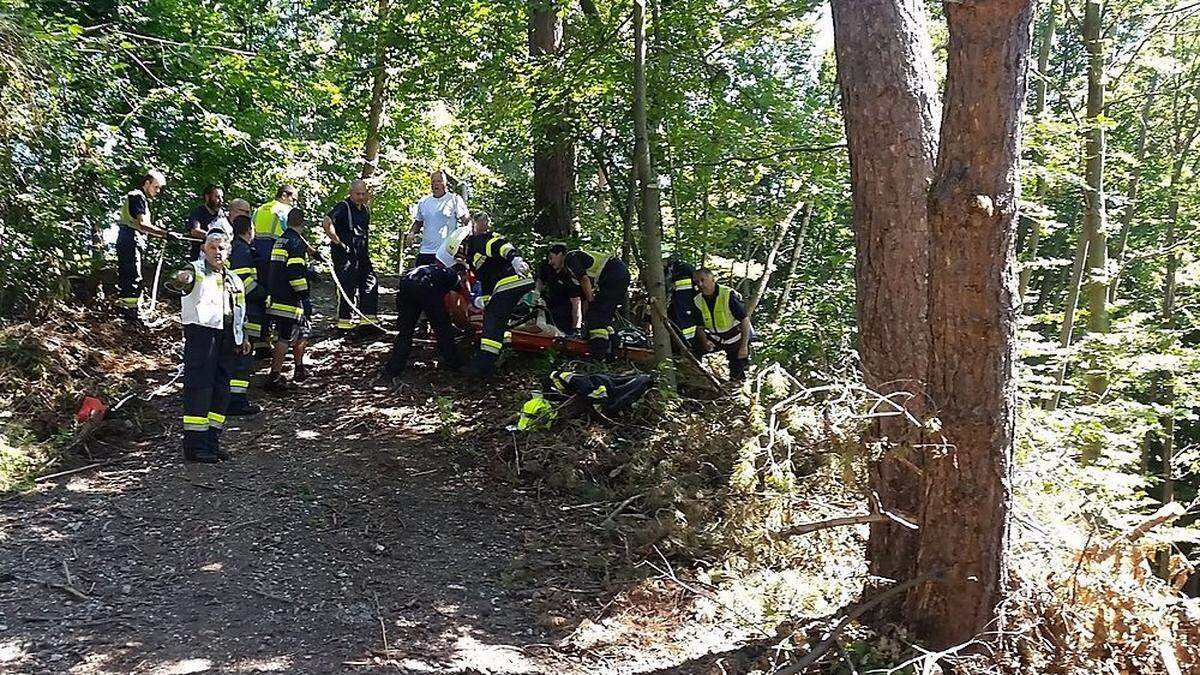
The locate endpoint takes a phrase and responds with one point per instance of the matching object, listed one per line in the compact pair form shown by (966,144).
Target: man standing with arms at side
(201,219)
(131,241)
(348,227)
(289,309)
(723,320)
(438,214)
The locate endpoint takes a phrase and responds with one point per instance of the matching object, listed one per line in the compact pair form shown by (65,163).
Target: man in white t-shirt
(438,214)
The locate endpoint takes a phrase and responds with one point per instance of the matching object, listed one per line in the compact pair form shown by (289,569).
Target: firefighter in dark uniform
(725,323)
(348,226)
(212,311)
(562,297)
(603,282)
(503,278)
(289,308)
(422,290)
(131,241)
(245,264)
(681,287)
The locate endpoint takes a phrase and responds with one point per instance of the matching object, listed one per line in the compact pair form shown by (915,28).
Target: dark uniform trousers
(499,308)
(208,362)
(412,300)
(130,247)
(609,295)
(357,277)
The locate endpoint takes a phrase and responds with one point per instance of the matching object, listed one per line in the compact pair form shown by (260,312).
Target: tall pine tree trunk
(1096,283)
(889,102)
(1037,227)
(972,315)
(378,95)
(553,147)
(652,271)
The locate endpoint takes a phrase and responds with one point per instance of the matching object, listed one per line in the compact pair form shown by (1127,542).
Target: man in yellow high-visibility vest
(270,220)
(724,322)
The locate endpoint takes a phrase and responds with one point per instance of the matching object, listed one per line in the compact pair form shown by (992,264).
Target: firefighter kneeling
(213,316)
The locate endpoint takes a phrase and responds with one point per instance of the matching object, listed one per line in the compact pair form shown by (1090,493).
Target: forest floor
(357,529)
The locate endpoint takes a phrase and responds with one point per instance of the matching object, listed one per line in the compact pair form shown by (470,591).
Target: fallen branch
(853,613)
(685,350)
(617,511)
(1168,512)
(69,472)
(806,528)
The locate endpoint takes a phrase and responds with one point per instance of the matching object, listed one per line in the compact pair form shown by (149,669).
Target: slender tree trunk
(652,270)
(972,316)
(1067,329)
(1094,217)
(378,95)
(797,248)
(768,266)
(889,101)
(1131,192)
(554,149)
(1037,227)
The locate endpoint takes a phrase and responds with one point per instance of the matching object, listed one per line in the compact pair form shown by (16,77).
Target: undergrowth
(46,369)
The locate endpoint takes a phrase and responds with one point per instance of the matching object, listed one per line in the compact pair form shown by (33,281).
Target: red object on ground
(91,406)
(465,315)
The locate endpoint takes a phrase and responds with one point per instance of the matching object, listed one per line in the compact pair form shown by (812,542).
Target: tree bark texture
(889,102)
(972,310)
(378,93)
(652,271)
(553,146)
(1094,219)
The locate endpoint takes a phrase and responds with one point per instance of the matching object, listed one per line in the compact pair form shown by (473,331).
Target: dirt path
(357,530)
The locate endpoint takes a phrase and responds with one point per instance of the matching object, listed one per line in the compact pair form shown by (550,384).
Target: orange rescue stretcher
(532,335)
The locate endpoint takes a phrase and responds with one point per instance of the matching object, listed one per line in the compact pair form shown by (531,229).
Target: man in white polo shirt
(438,214)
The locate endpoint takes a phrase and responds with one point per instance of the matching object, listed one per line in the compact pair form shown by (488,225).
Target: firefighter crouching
(603,282)
(503,280)
(213,315)
(682,291)
(422,290)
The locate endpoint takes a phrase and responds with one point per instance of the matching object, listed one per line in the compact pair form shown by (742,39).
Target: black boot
(242,408)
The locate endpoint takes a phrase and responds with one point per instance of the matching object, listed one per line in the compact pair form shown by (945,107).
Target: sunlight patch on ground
(184,666)
(397,414)
(212,567)
(11,651)
(307,434)
(278,664)
(472,656)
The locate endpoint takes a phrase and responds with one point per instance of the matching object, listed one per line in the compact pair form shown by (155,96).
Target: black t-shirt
(558,286)
(351,223)
(202,216)
(137,205)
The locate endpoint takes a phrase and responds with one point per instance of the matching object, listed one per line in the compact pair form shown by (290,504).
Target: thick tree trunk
(1037,228)
(889,101)
(554,149)
(972,317)
(652,271)
(785,298)
(378,94)
(1094,216)
(768,266)
(1131,192)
